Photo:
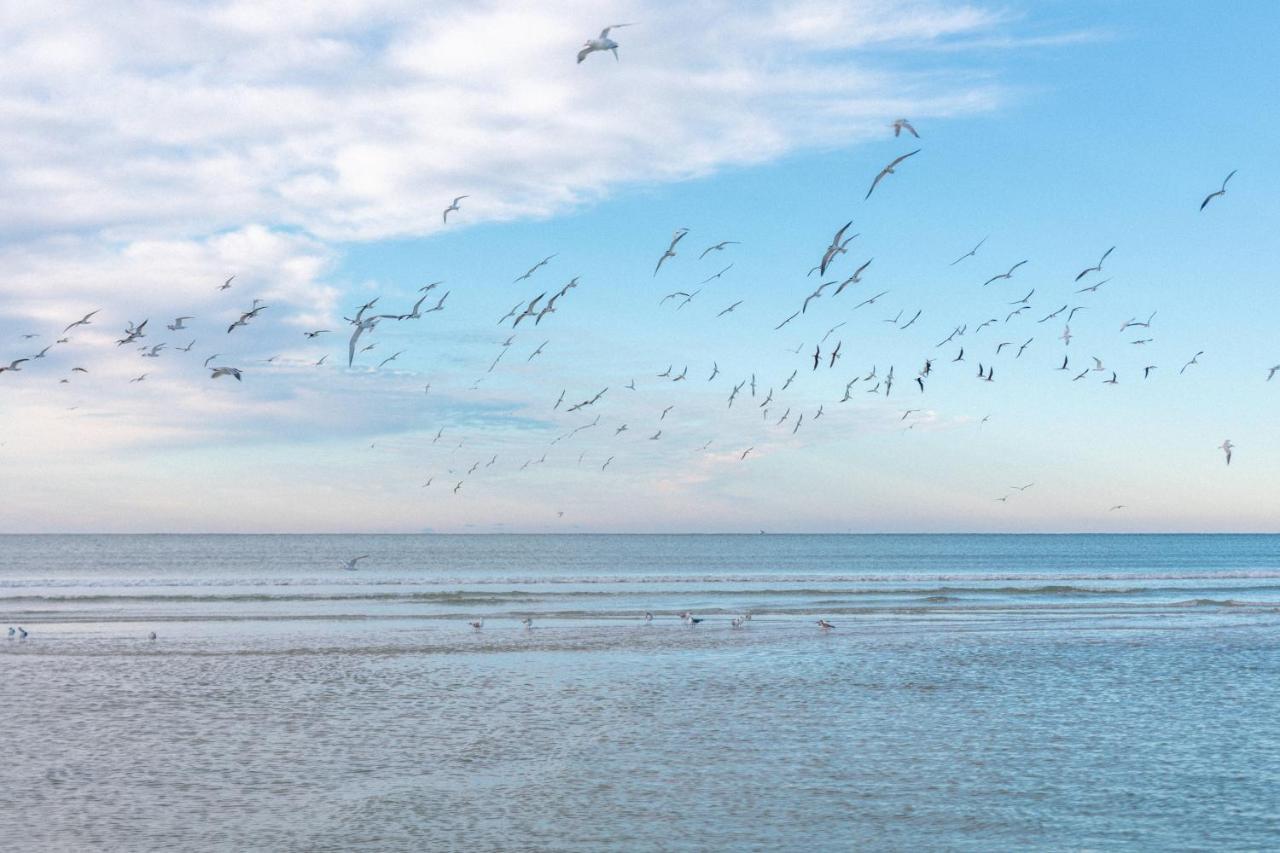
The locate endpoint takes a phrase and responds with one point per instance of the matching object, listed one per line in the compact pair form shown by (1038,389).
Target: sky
(151,150)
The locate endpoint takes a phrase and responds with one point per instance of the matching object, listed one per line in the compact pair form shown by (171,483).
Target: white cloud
(361,119)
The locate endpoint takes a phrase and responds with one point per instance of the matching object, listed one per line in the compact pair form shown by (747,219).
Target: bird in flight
(888,170)
(83,321)
(225,371)
(602,43)
(1226,447)
(1009,274)
(534,268)
(1098,267)
(1222,191)
(671,249)
(970,253)
(453,206)
(718,247)
(902,124)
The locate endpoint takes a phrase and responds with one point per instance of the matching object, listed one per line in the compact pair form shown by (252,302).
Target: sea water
(976,693)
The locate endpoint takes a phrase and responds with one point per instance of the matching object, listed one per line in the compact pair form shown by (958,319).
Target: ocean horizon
(974,692)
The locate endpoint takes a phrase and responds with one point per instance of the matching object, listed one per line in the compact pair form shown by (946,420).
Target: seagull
(1272,372)
(856,278)
(1222,191)
(226,285)
(1093,288)
(671,249)
(1097,268)
(825,625)
(888,170)
(444,217)
(361,327)
(534,268)
(718,247)
(815,295)
(730,308)
(745,452)
(22,633)
(390,358)
(176,325)
(350,565)
(83,321)
(601,43)
(1146,371)
(225,371)
(834,249)
(970,253)
(902,124)
(1194,360)
(529,310)
(477,624)
(1226,447)
(139,378)
(717,275)
(870,301)
(1009,274)
(715,371)
(786,321)
(13,365)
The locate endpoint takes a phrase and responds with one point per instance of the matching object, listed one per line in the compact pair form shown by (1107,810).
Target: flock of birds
(965,342)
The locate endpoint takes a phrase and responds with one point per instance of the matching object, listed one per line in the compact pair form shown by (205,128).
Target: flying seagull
(671,249)
(444,217)
(83,321)
(1098,267)
(888,170)
(717,247)
(902,124)
(532,269)
(1226,447)
(1213,195)
(970,253)
(601,43)
(225,371)
(1009,274)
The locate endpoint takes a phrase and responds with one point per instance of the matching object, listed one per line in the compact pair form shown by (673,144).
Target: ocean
(976,693)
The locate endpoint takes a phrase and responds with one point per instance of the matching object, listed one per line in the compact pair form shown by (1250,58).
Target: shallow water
(978,692)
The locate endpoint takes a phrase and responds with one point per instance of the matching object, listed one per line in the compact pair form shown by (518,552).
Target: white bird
(13,365)
(84,321)
(602,43)
(350,565)
(888,170)
(176,325)
(225,371)
(444,217)
(477,624)
(22,633)
(1226,447)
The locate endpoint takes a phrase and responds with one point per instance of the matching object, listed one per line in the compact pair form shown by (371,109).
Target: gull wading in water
(590,46)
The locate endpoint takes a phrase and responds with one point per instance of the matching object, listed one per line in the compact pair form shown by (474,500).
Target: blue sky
(226,138)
